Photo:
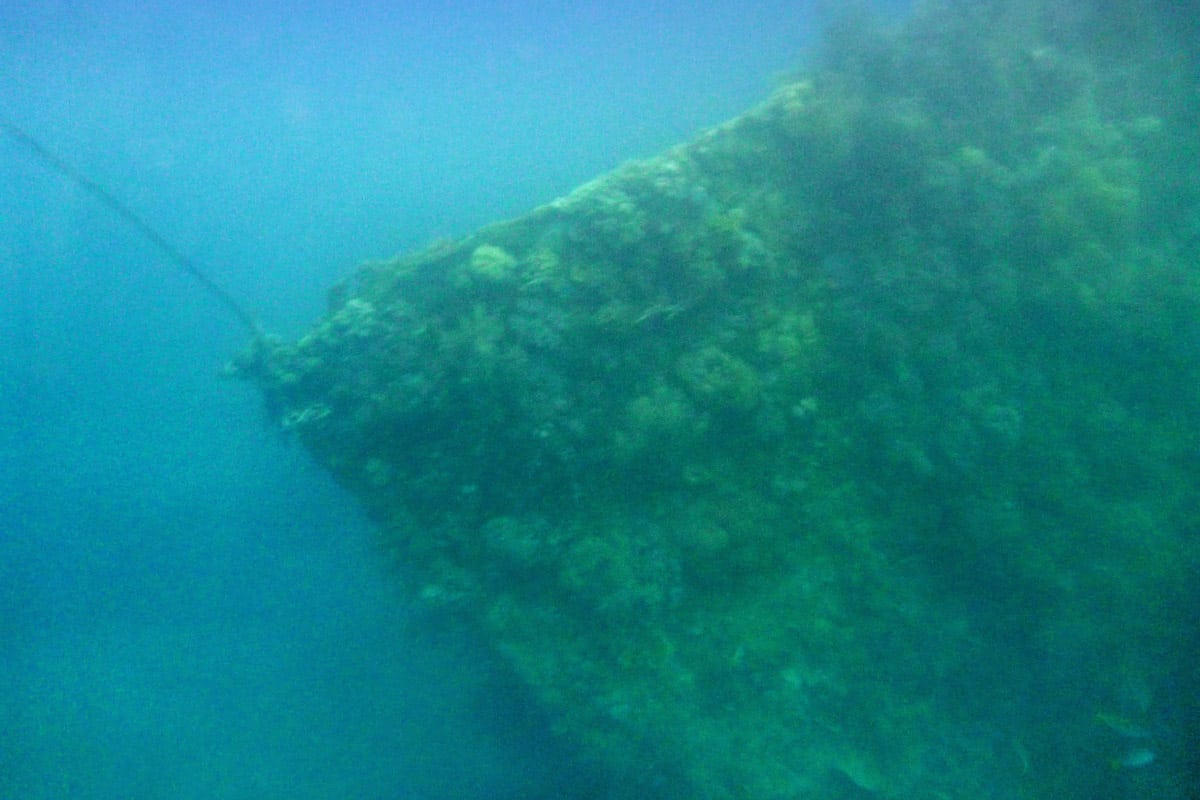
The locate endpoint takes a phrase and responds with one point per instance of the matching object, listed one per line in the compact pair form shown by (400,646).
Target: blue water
(188,608)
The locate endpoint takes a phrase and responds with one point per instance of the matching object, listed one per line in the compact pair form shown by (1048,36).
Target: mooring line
(97,191)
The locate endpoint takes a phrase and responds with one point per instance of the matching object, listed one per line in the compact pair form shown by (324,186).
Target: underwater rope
(139,224)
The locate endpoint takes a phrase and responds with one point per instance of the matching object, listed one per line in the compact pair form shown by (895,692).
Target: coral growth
(779,464)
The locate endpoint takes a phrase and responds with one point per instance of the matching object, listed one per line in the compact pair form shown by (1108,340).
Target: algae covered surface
(849,450)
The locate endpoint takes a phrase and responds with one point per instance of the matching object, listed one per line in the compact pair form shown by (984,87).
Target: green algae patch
(849,450)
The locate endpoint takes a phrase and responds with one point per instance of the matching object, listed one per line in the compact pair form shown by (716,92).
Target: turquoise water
(909,503)
(188,608)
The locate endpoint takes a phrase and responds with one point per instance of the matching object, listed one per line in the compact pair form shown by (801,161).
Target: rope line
(140,225)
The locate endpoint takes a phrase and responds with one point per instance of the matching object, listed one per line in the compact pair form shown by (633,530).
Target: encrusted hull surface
(849,450)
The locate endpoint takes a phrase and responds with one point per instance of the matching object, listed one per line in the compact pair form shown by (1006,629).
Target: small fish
(1138,757)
